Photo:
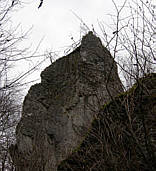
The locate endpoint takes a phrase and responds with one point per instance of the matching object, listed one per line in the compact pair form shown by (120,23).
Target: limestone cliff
(58,112)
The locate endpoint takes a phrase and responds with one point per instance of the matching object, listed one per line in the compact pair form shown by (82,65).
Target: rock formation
(58,113)
(123,137)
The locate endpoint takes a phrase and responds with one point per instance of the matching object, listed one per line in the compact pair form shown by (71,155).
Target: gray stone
(58,112)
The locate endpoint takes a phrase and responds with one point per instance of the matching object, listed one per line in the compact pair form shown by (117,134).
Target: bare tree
(9,115)
(133,41)
(10,81)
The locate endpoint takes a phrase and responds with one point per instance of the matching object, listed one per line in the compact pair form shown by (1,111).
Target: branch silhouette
(41,2)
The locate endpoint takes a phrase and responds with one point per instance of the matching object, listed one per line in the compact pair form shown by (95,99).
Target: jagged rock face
(58,112)
(123,136)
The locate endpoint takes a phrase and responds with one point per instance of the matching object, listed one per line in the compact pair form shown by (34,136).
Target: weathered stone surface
(58,112)
(123,136)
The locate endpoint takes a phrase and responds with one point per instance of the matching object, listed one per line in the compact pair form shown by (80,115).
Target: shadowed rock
(123,136)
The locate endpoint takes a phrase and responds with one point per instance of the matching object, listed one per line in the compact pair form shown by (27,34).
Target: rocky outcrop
(123,136)
(58,112)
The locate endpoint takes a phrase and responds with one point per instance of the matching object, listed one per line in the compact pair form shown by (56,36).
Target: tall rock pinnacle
(58,112)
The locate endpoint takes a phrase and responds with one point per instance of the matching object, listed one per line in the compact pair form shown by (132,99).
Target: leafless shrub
(11,81)
(133,41)
(123,134)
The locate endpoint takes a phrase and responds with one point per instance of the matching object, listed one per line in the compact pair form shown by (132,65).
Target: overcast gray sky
(57,24)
